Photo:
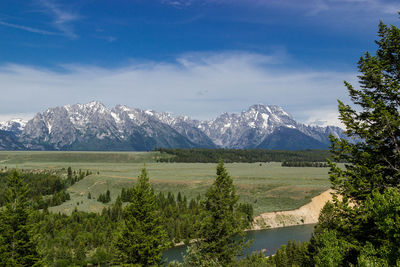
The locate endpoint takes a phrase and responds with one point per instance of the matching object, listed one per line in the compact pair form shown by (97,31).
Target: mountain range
(93,126)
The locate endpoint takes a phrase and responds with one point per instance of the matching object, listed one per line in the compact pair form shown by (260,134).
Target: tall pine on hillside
(141,238)
(222,224)
(16,245)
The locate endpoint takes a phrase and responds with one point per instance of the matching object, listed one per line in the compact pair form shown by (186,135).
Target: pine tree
(374,161)
(69,173)
(17,247)
(116,210)
(141,238)
(222,225)
(359,234)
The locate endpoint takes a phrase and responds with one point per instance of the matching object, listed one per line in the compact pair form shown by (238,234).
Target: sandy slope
(306,214)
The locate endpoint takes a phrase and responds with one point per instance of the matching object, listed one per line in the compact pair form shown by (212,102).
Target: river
(267,240)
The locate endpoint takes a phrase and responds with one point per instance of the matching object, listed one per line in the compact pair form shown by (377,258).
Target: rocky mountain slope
(93,126)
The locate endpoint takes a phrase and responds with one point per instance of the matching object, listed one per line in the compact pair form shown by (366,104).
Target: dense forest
(241,155)
(47,188)
(87,238)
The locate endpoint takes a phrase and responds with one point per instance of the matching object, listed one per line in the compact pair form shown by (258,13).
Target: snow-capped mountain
(14,125)
(93,126)
(249,128)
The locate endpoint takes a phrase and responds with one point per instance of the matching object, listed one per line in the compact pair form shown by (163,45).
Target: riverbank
(268,241)
(307,214)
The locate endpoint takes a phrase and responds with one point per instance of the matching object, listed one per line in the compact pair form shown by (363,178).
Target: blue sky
(194,57)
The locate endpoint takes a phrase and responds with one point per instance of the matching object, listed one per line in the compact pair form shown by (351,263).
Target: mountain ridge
(93,126)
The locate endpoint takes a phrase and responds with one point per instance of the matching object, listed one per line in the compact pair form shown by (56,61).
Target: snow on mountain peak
(63,126)
(14,125)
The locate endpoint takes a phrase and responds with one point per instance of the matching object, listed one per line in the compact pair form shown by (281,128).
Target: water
(267,240)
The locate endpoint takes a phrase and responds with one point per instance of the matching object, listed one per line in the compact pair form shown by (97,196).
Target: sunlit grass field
(268,186)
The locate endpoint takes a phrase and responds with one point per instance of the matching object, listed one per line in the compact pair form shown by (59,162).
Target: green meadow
(268,186)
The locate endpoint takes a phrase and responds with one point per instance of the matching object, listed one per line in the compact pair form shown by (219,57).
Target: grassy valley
(267,186)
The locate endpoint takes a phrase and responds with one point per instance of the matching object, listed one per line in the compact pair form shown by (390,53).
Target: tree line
(46,189)
(240,155)
(304,164)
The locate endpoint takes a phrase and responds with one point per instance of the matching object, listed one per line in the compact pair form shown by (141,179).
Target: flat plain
(268,186)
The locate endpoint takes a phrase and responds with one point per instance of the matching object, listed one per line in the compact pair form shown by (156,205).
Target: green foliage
(74,177)
(17,247)
(375,159)
(69,173)
(83,238)
(100,257)
(104,198)
(255,259)
(116,212)
(57,199)
(248,211)
(40,184)
(380,219)
(292,254)
(127,194)
(304,164)
(141,237)
(330,249)
(240,155)
(222,225)
(179,217)
(60,237)
(363,228)
(63,240)
(194,257)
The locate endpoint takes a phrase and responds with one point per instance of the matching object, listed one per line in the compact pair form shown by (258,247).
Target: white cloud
(24,116)
(201,85)
(324,117)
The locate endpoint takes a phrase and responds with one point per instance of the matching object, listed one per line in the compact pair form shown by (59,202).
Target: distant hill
(9,142)
(291,139)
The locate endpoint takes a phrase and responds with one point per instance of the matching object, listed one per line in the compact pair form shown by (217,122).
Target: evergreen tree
(17,247)
(375,159)
(69,173)
(141,238)
(222,224)
(116,211)
(363,228)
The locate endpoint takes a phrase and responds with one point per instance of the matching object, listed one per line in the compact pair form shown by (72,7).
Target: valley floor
(269,187)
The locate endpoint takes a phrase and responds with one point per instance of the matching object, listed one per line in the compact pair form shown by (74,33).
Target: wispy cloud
(63,19)
(109,39)
(307,7)
(199,85)
(178,3)
(26,28)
